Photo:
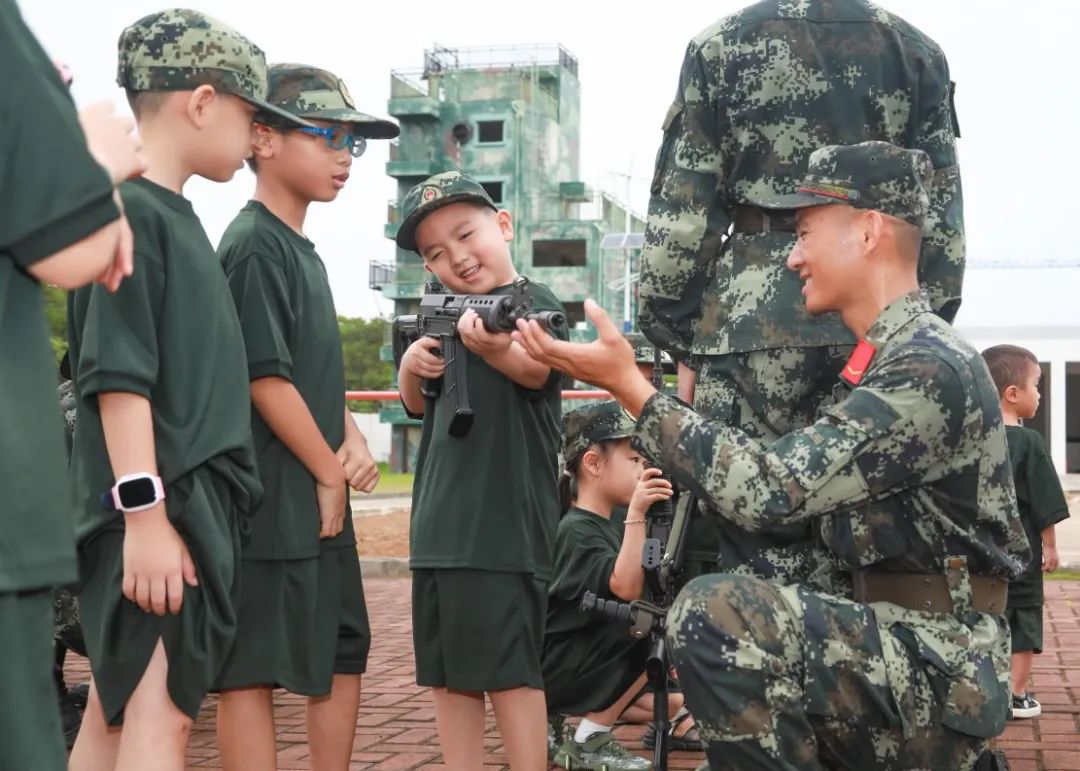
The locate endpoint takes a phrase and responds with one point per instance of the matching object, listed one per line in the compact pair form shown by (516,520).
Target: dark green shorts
(475,630)
(29,707)
(121,637)
(1026,625)
(341,567)
(300,622)
(591,670)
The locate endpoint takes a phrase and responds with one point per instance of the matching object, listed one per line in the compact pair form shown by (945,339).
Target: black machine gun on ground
(438,317)
(667,525)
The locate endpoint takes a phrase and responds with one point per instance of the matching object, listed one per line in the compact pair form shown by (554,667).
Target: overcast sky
(1017,98)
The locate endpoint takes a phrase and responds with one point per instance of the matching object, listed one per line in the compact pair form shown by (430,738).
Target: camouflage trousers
(765,394)
(778,677)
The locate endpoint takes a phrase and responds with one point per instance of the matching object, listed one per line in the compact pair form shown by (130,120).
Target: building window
(489,131)
(569,253)
(575,314)
(494,189)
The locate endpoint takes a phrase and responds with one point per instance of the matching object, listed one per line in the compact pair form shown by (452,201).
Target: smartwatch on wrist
(134,492)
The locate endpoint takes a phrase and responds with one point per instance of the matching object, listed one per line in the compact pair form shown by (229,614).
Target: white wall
(378,434)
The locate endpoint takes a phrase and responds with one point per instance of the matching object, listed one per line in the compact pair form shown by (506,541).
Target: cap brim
(365,125)
(273,114)
(407,231)
(798,201)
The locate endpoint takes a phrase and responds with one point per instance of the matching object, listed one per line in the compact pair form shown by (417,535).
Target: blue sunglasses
(338,138)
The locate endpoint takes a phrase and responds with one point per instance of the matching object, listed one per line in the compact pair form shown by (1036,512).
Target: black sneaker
(1025,706)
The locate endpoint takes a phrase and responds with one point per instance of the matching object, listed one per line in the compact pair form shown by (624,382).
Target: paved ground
(396,724)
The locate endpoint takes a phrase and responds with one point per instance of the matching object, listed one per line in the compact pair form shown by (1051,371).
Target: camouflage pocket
(846,675)
(667,145)
(967,671)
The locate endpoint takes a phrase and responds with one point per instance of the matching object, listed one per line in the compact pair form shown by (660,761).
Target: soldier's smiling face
(828,256)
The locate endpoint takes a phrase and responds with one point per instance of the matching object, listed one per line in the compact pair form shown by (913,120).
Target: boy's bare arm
(1051,561)
(88,259)
(517,365)
(355,457)
(420,361)
(502,353)
(156,560)
(287,415)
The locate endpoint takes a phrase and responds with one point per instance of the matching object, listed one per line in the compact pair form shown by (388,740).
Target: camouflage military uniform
(66,627)
(758,91)
(907,483)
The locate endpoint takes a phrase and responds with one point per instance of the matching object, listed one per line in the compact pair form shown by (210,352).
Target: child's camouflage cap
(434,193)
(180,49)
(869,175)
(586,426)
(313,93)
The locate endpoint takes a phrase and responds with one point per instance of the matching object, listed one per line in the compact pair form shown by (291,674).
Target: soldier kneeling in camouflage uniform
(907,482)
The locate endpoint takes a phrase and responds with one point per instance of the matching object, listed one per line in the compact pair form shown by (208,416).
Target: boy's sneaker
(556,731)
(1025,706)
(600,752)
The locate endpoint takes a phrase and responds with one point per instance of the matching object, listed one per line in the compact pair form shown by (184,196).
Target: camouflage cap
(586,426)
(313,93)
(869,175)
(434,193)
(179,49)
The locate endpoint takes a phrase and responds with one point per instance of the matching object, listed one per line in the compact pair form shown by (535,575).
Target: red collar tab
(858,363)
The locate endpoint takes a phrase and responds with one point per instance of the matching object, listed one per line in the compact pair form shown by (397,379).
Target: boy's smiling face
(465,246)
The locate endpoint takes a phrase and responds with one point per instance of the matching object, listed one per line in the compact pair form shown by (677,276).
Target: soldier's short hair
(1009,365)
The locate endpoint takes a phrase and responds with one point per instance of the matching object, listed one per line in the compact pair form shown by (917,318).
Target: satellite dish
(461,132)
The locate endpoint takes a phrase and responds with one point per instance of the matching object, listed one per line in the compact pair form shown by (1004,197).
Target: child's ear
(506,224)
(200,104)
(262,141)
(590,462)
(1012,394)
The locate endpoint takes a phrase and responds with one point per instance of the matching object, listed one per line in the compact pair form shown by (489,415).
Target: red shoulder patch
(858,363)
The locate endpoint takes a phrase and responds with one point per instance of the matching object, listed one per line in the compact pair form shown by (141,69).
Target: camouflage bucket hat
(434,193)
(869,175)
(313,93)
(180,49)
(586,426)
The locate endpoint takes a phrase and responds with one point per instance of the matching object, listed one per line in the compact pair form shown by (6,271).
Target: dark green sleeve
(584,562)
(1043,492)
(118,331)
(52,192)
(260,291)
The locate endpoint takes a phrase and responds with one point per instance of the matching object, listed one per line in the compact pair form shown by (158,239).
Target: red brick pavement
(396,725)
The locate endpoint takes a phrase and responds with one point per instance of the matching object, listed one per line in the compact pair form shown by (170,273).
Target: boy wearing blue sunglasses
(302,623)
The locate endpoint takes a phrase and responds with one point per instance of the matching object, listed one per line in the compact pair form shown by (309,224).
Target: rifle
(438,317)
(667,526)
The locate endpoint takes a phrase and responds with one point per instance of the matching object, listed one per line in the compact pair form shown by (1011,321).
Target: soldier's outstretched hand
(607,362)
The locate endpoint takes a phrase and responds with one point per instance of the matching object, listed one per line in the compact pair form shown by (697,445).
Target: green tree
(361,342)
(56,315)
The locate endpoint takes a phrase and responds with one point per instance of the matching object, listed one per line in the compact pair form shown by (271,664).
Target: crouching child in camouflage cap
(162,464)
(909,484)
(485,506)
(592,667)
(302,623)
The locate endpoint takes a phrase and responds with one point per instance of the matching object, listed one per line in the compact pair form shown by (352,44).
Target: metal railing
(390,396)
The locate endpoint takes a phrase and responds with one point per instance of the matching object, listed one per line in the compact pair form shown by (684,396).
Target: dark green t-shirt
(286,310)
(489,500)
(1041,502)
(52,195)
(586,547)
(170,333)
